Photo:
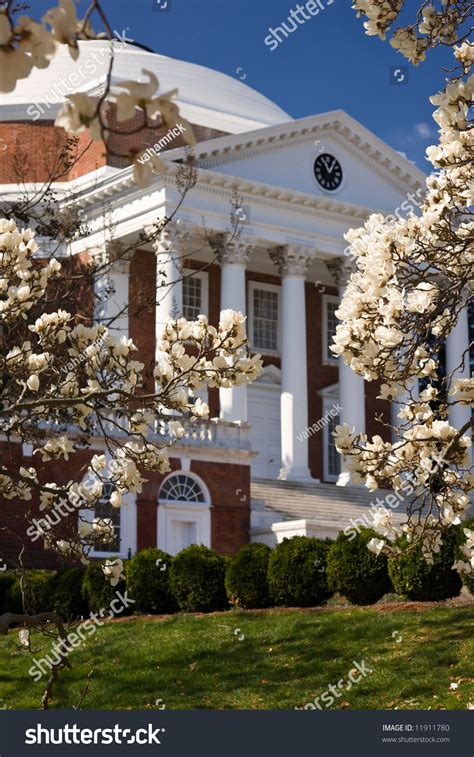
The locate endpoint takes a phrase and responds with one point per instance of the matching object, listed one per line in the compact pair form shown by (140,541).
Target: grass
(287,658)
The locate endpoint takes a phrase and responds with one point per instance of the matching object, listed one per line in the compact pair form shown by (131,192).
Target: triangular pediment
(309,154)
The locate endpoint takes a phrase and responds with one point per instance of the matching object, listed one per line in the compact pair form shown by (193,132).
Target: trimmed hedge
(413,578)
(197,577)
(65,594)
(37,598)
(97,590)
(246,577)
(467,580)
(297,572)
(6,581)
(355,572)
(148,583)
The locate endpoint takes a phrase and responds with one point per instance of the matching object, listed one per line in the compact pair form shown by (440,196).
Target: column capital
(232,250)
(171,238)
(341,269)
(113,256)
(292,259)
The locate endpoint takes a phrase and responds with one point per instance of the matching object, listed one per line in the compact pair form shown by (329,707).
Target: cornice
(225,185)
(368,154)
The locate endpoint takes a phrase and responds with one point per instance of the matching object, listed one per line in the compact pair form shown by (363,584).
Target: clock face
(328,171)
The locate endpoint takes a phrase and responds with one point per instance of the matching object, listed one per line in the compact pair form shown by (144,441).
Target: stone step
(288,500)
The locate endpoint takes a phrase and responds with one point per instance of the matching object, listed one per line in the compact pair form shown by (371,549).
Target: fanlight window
(182,488)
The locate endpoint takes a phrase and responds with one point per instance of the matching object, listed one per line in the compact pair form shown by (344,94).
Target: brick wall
(33,151)
(229,488)
(30,150)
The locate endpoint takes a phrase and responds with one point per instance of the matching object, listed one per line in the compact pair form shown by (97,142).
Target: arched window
(184,513)
(181,488)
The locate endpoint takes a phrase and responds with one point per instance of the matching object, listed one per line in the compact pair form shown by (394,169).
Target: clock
(328,171)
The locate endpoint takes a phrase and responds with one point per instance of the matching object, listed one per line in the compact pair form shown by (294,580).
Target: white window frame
(128,528)
(252,286)
(198,513)
(327,357)
(330,477)
(204,278)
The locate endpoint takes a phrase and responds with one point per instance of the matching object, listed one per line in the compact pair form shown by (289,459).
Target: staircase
(329,507)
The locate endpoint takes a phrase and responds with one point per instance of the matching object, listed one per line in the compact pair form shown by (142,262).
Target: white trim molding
(327,358)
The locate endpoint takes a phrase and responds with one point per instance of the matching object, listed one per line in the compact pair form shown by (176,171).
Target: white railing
(206,433)
(209,433)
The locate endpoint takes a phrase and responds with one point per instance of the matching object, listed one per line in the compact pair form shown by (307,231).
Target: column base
(302,475)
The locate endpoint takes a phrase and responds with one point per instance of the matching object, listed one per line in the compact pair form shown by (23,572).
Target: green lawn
(287,658)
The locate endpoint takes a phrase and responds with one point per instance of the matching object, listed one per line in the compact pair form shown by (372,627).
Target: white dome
(206,97)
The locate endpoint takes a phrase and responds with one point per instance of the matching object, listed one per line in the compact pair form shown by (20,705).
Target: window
(264,317)
(195,294)
(182,488)
(330,322)
(184,513)
(331,457)
(104,510)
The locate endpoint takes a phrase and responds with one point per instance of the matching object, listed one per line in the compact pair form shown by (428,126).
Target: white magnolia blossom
(412,277)
(113,570)
(466,566)
(436,24)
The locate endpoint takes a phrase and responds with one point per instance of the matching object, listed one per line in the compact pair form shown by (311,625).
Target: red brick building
(301,184)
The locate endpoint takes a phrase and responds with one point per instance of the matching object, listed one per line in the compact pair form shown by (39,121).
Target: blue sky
(327,63)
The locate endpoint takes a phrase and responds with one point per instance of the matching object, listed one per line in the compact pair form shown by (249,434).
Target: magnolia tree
(56,401)
(64,384)
(412,278)
(51,397)
(65,381)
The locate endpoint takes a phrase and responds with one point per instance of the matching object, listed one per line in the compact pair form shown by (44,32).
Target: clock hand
(330,170)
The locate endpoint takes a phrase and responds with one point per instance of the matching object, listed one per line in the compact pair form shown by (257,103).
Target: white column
(457,346)
(169,282)
(233,259)
(351,385)
(292,263)
(111,294)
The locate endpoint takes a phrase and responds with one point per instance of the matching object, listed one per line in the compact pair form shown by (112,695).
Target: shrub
(467,580)
(65,592)
(197,577)
(97,590)
(6,581)
(413,578)
(246,577)
(37,598)
(148,584)
(355,572)
(297,572)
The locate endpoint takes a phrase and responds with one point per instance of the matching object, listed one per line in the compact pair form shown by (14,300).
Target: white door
(183,534)
(264,415)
